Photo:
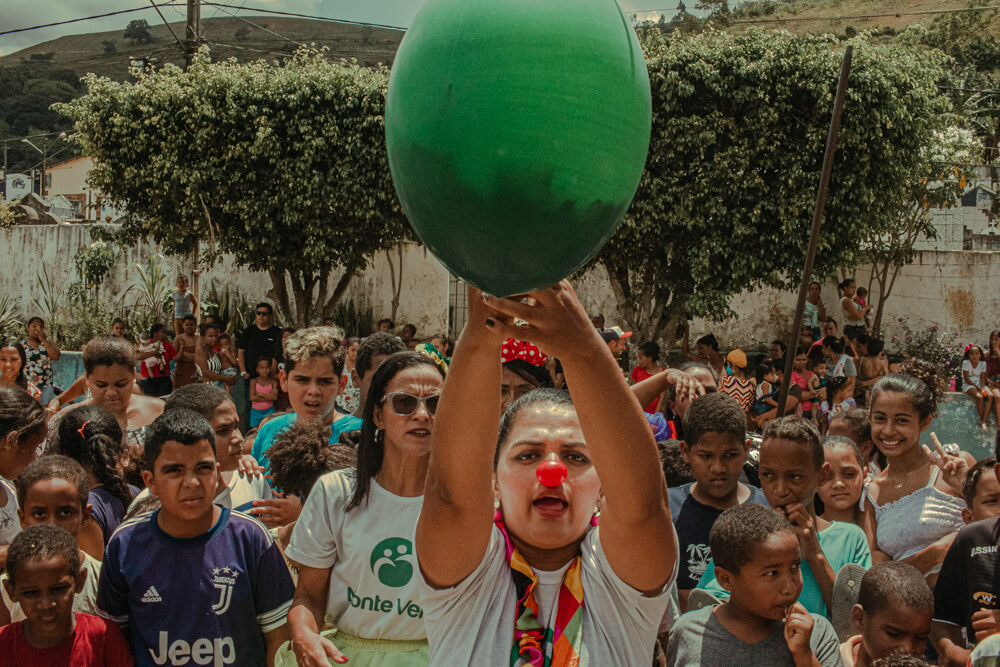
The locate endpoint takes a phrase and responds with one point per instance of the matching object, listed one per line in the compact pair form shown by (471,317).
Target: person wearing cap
(617,340)
(737,384)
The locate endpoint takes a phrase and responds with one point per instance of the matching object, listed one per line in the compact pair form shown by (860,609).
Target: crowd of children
(140,527)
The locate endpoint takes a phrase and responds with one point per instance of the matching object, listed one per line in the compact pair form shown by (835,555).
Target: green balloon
(517,132)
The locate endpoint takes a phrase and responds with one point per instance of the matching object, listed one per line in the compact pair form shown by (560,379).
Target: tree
(137,32)
(282,166)
(738,136)
(109,47)
(951,154)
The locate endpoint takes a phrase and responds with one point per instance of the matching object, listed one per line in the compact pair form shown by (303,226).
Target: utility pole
(192,31)
(45,155)
(192,38)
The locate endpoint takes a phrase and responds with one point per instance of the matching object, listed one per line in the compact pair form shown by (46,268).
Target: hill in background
(109,53)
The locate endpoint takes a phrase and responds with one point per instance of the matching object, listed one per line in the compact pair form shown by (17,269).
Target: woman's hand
(685,385)
(556,322)
(312,650)
(954,468)
(279,511)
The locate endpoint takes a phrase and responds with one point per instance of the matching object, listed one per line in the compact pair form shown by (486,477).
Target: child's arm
(273,394)
(254,396)
(950,644)
(273,641)
(804,526)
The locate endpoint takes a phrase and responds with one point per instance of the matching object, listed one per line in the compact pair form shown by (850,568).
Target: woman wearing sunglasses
(353,540)
(514,568)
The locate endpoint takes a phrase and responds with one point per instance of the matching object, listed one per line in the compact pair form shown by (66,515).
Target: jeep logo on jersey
(392,561)
(217,652)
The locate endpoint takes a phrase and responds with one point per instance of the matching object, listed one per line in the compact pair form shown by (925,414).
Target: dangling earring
(595,519)
(497,512)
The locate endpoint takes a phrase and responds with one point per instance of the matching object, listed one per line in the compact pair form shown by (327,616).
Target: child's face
(182,283)
(189,327)
(184,478)
(45,588)
(54,501)
(974,356)
(898,628)
(770,582)
(820,370)
(716,462)
(986,503)
(264,368)
(842,490)
(787,473)
(224,342)
(228,439)
(312,388)
(896,424)
(118,329)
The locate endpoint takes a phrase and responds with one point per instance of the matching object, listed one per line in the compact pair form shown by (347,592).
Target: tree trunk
(397,281)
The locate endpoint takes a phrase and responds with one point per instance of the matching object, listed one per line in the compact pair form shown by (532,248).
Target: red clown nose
(551,473)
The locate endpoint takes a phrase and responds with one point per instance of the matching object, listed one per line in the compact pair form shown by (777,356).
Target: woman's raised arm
(636,532)
(456,519)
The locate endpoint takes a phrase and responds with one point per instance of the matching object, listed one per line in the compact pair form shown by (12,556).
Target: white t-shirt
(10,525)
(373,581)
(975,374)
(84,602)
(472,623)
(238,495)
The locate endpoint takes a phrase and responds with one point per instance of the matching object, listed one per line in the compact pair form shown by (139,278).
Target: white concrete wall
(24,251)
(956,289)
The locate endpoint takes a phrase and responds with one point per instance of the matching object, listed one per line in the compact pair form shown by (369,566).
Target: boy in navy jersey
(193,582)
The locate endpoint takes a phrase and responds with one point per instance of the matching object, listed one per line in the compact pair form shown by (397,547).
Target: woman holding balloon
(514,567)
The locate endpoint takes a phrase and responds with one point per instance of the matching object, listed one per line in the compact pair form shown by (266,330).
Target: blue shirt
(270,431)
(207,599)
(842,543)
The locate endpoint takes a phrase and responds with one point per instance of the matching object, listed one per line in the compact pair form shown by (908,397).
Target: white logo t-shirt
(373,581)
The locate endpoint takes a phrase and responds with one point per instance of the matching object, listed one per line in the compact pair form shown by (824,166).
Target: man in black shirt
(259,340)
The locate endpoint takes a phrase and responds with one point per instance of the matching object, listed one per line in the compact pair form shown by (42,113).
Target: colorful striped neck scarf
(536,645)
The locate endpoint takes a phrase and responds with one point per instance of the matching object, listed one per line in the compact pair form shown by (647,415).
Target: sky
(387,12)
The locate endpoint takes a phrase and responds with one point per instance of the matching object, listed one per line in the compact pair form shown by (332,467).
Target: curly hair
(797,430)
(741,528)
(378,344)
(714,413)
(302,454)
(315,342)
(21,414)
(107,350)
(886,585)
(91,436)
(53,466)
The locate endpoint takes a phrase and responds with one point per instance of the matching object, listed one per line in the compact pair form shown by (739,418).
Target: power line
(259,27)
(926,12)
(87,18)
(305,16)
(247,48)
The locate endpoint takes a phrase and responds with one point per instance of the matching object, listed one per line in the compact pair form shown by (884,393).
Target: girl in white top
(354,539)
(974,379)
(536,581)
(854,317)
(915,503)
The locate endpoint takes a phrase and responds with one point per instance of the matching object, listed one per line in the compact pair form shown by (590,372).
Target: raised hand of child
(798,631)
(986,622)
(804,528)
(954,468)
(279,511)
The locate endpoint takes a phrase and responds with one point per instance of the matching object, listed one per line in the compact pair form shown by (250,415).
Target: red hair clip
(80,430)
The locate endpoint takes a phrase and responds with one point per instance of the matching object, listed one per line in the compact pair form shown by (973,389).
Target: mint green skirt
(366,652)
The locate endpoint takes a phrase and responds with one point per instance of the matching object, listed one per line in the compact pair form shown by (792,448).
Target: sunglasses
(404,404)
(263,312)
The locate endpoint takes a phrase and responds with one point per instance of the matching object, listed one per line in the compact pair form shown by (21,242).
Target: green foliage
(109,47)
(356,321)
(93,263)
(150,294)
(236,310)
(739,131)
(931,344)
(7,217)
(287,163)
(11,321)
(26,95)
(137,32)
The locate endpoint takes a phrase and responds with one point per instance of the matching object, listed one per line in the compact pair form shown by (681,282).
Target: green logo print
(392,561)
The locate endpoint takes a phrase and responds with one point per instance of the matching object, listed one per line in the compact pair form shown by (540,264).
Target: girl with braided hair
(22,429)
(91,435)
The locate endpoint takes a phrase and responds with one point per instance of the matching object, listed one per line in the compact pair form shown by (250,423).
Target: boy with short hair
(756,554)
(314,363)
(193,581)
(981,492)
(715,447)
(971,611)
(53,490)
(792,465)
(44,575)
(893,615)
